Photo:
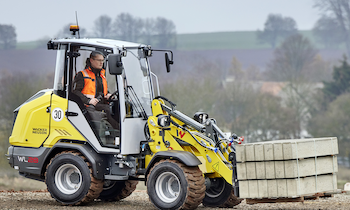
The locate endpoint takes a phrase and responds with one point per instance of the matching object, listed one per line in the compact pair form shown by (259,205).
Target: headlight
(201,117)
(164,120)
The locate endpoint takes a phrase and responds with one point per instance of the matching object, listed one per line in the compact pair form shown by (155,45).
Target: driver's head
(96,59)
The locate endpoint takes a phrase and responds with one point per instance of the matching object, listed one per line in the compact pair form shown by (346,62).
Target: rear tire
(173,185)
(220,194)
(117,190)
(69,179)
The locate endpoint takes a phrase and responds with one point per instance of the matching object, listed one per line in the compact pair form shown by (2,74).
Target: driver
(91,86)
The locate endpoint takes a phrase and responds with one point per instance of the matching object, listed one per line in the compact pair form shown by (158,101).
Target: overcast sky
(35,19)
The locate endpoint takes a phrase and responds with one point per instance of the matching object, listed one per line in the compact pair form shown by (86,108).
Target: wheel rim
(68,179)
(168,187)
(217,187)
(108,184)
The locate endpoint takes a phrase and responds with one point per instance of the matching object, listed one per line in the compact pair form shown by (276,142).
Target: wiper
(136,102)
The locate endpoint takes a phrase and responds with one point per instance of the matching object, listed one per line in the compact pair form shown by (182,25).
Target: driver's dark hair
(93,55)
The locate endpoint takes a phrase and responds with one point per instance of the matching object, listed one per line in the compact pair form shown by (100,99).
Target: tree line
(158,32)
(332,29)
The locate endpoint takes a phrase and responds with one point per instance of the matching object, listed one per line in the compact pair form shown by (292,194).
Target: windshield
(137,76)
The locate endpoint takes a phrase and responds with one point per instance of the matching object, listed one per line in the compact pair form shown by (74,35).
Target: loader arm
(186,134)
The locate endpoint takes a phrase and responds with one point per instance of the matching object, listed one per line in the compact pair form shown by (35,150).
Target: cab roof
(109,43)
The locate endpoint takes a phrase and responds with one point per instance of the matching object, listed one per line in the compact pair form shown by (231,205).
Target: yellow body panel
(62,129)
(32,123)
(35,125)
(213,164)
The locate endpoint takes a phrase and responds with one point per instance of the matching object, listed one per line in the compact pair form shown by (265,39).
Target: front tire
(173,185)
(117,190)
(69,179)
(220,194)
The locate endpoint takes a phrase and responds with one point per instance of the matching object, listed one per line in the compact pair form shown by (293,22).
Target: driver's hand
(108,96)
(93,101)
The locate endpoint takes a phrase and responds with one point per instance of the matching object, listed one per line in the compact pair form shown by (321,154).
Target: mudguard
(185,157)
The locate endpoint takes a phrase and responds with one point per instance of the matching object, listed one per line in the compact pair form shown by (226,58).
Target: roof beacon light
(74,29)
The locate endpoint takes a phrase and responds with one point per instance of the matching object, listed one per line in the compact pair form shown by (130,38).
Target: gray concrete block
(268,152)
(249,152)
(241,171)
(270,170)
(251,170)
(279,169)
(287,149)
(288,188)
(262,188)
(282,187)
(240,153)
(271,189)
(260,169)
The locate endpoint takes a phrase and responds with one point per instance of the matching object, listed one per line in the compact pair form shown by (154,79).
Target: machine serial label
(39,131)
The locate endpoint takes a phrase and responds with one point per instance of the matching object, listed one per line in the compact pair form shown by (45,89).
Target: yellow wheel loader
(184,161)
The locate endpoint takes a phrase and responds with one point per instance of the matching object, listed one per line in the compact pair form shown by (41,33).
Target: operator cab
(129,79)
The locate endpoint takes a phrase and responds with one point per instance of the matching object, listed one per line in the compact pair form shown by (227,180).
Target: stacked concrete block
(287,168)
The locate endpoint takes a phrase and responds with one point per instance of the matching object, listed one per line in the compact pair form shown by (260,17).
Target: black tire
(220,194)
(117,190)
(173,185)
(69,179)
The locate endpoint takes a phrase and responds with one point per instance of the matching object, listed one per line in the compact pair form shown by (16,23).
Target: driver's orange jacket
(89,89)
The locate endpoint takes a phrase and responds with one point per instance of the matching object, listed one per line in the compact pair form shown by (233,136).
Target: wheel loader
(184,161)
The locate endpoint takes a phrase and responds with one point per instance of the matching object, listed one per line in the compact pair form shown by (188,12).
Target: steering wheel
(113,96)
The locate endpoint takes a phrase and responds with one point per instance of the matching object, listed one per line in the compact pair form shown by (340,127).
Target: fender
(184,157)
(99,162)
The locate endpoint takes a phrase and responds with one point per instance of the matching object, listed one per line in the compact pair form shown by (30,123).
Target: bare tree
(291,59)
(277,28)
(339,11)
(127,28)
(8,37)
(103,27)
(166,32)
(327,31)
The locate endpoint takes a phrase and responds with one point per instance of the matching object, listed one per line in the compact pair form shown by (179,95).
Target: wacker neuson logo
(39,131)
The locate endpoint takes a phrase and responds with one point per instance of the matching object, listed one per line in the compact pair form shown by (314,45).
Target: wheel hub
(68,179)
(168,187)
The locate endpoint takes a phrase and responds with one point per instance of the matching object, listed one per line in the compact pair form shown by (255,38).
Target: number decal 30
(57,114)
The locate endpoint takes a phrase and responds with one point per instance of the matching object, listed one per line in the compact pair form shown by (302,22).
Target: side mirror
(115,64)
(168,62)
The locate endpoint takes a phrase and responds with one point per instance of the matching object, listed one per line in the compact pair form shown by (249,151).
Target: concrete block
(240,153)
(288,188)
(272,189)
(241,171)
(262,188)
(282,188)
(259,152)
(270,170)
(251,170)
(249,152)
(278,151)
(244,189)
(268,152)
(279,169)
(260,169)
(287,149)
(287,168)
(253,188)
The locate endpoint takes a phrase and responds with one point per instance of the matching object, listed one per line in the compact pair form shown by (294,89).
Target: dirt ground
(139,200)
